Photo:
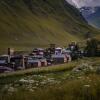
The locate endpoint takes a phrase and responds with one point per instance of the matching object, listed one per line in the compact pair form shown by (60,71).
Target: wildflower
(87,85)
(11,89)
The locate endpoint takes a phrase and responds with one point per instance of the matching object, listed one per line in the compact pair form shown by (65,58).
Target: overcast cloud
(81,3)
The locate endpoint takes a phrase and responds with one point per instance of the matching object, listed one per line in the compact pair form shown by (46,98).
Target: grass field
(56,83)
(50,69)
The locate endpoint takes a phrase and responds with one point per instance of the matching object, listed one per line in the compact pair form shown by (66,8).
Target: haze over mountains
(90,10)
(92,15)
(31,23)
(86,3)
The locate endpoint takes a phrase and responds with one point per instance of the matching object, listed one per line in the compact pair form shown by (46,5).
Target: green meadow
(59,82)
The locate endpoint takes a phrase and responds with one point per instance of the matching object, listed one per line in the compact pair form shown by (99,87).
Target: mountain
(92,15)
(26,24)
(84,3)
(86,11)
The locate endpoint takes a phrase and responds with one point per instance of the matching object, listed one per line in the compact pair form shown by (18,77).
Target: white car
(59,59)
(58,50)
(33,62)
(42,60)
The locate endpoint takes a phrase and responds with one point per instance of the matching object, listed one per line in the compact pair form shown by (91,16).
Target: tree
(91,47)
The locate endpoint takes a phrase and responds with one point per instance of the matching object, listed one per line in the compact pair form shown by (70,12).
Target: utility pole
(23,62)
(9,55)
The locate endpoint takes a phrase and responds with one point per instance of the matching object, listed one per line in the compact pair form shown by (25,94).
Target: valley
(49,51)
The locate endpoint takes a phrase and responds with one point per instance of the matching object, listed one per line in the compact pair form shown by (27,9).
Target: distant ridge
(92,15)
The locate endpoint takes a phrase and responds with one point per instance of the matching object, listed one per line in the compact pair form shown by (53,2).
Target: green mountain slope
(30,23)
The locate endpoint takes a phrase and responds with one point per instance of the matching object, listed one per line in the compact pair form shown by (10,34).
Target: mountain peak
(86,3)
(92,15)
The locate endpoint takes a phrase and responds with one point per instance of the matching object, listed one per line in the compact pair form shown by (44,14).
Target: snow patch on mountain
(82,3)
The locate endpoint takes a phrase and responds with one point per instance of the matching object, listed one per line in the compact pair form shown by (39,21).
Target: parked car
(17,62)
(33,62)
(67,53)
(38,51)
(43,60)
(59,59)
(49,60)
(4,60)
(4,69)
(58,50)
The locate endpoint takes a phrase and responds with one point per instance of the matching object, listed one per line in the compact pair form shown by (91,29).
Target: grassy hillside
(31,23)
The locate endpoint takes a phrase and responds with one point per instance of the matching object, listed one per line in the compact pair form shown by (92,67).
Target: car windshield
(3,58)
(32,58)
(39,57)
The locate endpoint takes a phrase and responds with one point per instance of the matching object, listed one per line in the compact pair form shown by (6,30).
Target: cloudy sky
(80,3)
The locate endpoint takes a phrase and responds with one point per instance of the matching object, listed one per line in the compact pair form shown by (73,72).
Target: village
(40,57)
